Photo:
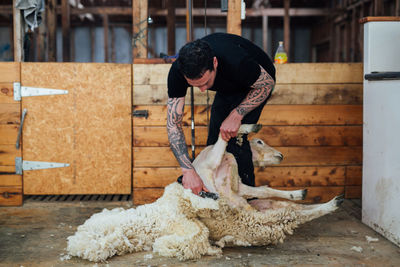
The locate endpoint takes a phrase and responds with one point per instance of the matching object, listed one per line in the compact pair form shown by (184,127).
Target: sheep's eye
(259,142)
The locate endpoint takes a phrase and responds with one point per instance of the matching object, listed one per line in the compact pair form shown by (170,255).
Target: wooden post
(65,21)
(397,8)
(286,28)
(41,42)
(353,34)
(378,7)
(51,19)
(171,18)
(105,28)
(265,32)
(233,20)
(18,34)
(139,19)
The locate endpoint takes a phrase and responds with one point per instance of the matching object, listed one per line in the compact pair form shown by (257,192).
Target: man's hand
(230,126)
(193,181)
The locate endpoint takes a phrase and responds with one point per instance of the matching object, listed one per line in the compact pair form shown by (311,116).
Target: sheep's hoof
(256,128)
(304,194)
(339,200)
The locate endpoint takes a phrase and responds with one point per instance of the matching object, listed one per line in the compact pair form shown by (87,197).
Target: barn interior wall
(121,40)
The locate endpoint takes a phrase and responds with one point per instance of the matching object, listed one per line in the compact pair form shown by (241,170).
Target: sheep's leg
(214,156)
(304,213)
(311,212)
(268,192)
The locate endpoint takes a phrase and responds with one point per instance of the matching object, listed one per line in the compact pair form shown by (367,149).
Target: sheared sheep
(183,225)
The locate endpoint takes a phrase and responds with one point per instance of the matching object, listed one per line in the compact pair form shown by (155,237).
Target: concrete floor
(35,235)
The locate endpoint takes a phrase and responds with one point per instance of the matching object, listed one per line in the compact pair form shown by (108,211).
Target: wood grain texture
(8,134)
(11,196)
(271,115)
(7,169)
(284,94)
(272,176)
(7,93)
(273,135)
(315,194)
(354,175)
(9,72)
(8,154)
(10,113)
(89,128)
(293,156)
(319,73)
(353,191)
(292,73)
(10,180)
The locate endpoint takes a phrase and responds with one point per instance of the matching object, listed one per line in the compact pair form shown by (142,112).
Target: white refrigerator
(381,126)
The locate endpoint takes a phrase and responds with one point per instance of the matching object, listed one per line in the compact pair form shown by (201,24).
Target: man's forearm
(175,132)
(258,94)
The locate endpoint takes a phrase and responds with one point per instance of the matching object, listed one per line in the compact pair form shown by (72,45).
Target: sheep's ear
(199,203)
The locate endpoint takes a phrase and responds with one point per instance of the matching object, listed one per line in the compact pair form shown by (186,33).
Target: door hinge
(23,91)
(24,165)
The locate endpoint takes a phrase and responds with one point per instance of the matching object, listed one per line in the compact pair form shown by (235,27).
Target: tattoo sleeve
(257,95)
(175,107)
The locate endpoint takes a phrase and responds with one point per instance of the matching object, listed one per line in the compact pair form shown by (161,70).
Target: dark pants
(221,107)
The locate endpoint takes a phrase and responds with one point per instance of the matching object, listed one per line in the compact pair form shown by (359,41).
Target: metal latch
(24,165)
(20,128)
(23,91)
(141,113)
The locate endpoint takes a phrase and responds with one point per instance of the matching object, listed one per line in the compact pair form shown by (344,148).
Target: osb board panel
(284,94)
(271,115)
(8,134)
(8,154)
(11,180)
(293,156)
(314,194)
(354,175)
(273,135)
(11,196)
(153,74)
(7,93)
(10,113)
(9,72)
(89,128)
(272,176)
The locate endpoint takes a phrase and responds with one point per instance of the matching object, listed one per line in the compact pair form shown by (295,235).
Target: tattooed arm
(257,95)
(191,179)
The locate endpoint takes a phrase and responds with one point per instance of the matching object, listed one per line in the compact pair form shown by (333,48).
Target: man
(243,77)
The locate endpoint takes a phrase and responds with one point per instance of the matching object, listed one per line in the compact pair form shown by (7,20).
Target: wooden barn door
(89,128)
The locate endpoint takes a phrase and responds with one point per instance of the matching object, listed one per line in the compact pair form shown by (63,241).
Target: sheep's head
(263,154)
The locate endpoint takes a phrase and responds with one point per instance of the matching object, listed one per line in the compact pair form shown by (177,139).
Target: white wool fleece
(169,225)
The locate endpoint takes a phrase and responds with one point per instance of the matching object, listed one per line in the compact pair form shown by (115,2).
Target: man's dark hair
(195,58)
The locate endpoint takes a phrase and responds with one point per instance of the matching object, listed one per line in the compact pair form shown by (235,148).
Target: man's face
(207,80)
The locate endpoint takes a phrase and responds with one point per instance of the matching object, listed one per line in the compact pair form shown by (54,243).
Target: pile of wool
(169,226)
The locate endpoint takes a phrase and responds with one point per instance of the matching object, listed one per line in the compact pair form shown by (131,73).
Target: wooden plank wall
(314,118)
(10,184)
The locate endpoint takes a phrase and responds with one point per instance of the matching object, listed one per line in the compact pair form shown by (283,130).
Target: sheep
(183,225)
